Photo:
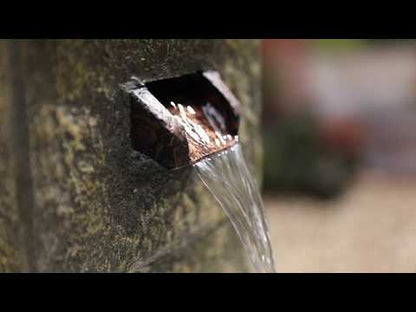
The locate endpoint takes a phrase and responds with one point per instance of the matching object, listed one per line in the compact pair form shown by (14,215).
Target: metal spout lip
(181,120)
(213,154)
(217,151)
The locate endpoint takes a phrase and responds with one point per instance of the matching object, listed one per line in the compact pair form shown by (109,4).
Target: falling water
(227,177)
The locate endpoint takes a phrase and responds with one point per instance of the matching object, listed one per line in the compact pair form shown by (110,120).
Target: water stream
(228,178)
(219,161)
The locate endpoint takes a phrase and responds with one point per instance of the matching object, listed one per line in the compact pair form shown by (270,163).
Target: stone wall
(74,195)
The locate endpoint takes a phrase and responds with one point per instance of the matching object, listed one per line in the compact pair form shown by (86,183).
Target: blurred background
(340,148)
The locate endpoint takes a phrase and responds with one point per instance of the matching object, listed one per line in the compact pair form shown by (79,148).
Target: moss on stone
(100,205)
(11,255)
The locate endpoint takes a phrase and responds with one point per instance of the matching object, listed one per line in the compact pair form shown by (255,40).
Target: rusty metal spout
(178,121)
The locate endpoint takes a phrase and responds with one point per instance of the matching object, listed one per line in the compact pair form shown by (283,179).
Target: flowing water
(221,166)
(228,178)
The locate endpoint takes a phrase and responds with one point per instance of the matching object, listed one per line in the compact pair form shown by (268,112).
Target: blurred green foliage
(345,45)
(296,160)
(336,44)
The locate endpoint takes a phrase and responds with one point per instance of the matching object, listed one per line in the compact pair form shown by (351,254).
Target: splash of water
(228,178)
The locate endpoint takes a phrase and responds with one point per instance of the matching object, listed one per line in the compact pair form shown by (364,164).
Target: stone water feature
(74,195)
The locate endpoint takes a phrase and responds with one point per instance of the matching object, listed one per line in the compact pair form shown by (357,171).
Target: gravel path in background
(371,228)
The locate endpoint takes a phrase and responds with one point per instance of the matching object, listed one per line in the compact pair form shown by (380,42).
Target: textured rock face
(84,200)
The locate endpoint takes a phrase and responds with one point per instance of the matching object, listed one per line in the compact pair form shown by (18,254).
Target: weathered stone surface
(98,205)
(9,253)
